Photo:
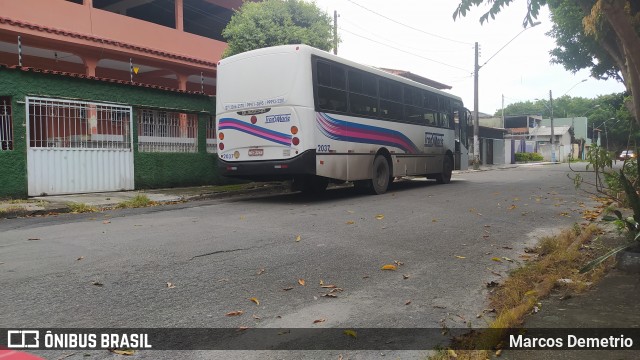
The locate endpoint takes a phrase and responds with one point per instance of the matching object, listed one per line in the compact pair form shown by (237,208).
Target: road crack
(218,252)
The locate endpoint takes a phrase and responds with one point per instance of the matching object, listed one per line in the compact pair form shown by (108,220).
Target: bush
(524,157)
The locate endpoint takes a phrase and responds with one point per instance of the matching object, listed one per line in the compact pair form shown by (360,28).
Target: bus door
(461,155)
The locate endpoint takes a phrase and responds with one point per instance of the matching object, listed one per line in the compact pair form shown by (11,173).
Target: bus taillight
(295,141)
(221,146)
(221,136)
(294,130)
(254,119)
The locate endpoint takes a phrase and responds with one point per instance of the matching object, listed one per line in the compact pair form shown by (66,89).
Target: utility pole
(476,120)
(503,111)
(335,32)
(553,139)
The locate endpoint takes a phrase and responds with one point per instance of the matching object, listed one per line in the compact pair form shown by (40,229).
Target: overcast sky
(442,49)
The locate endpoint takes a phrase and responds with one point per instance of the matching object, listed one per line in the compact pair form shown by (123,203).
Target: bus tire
(380,175)
(447,168)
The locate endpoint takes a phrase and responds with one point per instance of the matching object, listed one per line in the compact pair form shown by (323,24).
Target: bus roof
(323,54)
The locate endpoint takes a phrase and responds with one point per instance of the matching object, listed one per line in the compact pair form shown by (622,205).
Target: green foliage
(277,22)
(78,208)
(137,201)
(525,157)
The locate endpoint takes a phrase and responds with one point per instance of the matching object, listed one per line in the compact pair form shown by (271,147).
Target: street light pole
(476,120)
(553,139)
(476,117)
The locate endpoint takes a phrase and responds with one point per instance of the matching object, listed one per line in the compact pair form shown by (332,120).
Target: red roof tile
(82,76)
(24,24)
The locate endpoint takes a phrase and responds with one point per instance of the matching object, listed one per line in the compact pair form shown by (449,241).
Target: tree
(277,22)
(603,35)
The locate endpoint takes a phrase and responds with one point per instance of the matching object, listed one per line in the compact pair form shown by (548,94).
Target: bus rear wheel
(381,174)
(447,168)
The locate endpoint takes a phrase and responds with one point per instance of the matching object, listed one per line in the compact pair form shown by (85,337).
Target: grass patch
(78,208)
(555,258)
(138,201)
(10,209)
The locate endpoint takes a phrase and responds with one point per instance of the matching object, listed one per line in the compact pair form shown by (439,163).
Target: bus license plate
(256,152)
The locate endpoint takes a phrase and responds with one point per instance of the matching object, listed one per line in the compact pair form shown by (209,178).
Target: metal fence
(6,125)
(164,131)
(55,123)
(212,142)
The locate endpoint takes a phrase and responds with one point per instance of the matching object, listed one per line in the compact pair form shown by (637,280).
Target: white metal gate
(78,147)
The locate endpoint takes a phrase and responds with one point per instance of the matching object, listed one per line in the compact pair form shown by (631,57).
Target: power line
(404,51)
(391,41)
(410,27)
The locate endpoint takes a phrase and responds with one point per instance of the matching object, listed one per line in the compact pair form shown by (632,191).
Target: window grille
(57,123)
(6,125)
(212,143)
(164,131)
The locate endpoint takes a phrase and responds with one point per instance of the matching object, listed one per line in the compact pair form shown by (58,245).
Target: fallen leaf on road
(328,286)
(408,302)
(288,288)
(243,328)
(301,282)
(80,258)
(351,333)
(97,283)
(331,295)
(123,351)
(350,211)
(506,258)
(379,216)
(298,238)
(398,263)
(260,272)
(350,222)
(235,313)
(389,267)
(319,321)
(512,207)
(255,300)
(335,290)
(321,282)
(461,257)
(256,317)
(170,285)
(405,276)
(497,259)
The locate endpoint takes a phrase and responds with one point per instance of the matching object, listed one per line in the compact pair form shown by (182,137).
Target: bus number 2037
(323,148)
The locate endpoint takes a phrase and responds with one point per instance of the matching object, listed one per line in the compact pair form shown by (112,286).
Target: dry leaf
(350,211)
(331,295)
(298,238)
(321,282)
(97,283)
(408,302)
(461,257)
(398,263)
(506,258)
(389,267)
(379,216)
(260,272)
(288,288)
(170,285)
(512,207)
(405,276)
(328,286)
(350,222)
(497,259)
(351,333)
(499,352)
(335,290)
(301,282)
(123,351)
(243,328)
(80,258)
(235,313)
(319,321)
(255,300)
(256,317)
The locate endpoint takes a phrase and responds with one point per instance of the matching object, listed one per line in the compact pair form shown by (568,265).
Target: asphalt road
(219,254)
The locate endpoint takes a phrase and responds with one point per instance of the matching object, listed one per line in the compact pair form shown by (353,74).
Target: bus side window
(430,118)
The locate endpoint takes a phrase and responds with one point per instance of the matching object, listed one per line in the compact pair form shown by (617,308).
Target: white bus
(299,113)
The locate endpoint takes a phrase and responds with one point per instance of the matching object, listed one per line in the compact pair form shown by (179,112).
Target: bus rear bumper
(270,170)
